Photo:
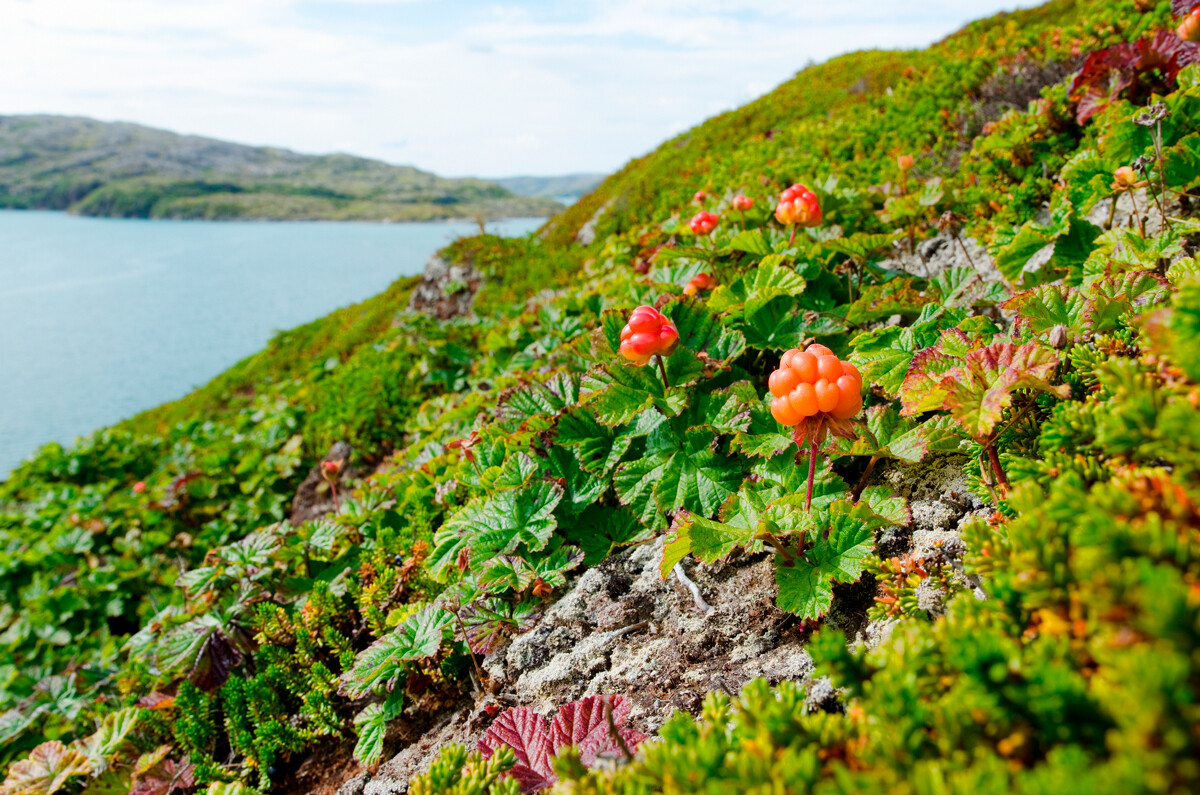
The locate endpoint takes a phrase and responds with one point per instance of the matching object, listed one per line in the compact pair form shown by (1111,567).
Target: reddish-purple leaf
(583,723)
(524,731)
(1107,73)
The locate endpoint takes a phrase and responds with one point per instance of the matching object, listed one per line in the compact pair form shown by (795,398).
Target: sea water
(102,318)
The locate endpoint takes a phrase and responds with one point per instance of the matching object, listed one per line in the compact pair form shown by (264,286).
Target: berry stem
(862,482)
(792,237)
(997,470)
(662,368)
(812,472)
(332,489)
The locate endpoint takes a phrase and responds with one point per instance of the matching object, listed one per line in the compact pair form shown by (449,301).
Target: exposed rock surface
(446,291)
(939,254)
(620,628)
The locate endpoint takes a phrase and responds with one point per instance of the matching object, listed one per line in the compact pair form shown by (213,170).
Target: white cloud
(454,87)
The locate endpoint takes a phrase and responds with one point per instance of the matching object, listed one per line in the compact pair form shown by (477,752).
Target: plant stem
(812,472)
(792,236)
(780,547)
(662,368)
(994,460)
(966,253)
(862,482)
(616,734)
(1162,175)
(1137,215)
(1011,423)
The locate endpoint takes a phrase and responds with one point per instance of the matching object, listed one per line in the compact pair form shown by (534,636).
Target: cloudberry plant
(703,223)
(814,393)
(798,207)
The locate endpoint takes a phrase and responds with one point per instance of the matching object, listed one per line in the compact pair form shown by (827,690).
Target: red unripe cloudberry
(798,206)
(1125,178)
(1189,28)
(701,281)
(742,203)
(703,222)
(647,333)
(905,162)
(813,381)
(700,197)
(139,487)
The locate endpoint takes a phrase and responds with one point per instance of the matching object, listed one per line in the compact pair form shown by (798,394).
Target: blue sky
(453,86)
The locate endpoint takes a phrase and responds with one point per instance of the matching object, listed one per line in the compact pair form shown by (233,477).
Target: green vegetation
(123,170)
(160,620)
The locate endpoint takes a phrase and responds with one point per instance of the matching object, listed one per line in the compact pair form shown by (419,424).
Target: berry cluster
(647,333)
(703,223)
(701,281)
(798,206)
(814,381)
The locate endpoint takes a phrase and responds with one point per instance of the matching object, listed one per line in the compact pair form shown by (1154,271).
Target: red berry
(1189,28)
(703,223)
(798,206)
(701,281)
(699,197)
(139,487)
(905,162)
(812,382)
(647,333)
(742,203)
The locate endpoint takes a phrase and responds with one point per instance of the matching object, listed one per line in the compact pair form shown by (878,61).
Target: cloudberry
(813,381)
(703,222)
(1125,178)
(701,281)
(1189,28)
(798,206)
(742,203)
(647,333)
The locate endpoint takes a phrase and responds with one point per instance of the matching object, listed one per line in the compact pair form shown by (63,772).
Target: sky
(457,87)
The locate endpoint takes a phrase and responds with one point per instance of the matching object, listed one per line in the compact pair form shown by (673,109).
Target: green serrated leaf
(498,524)
(371,726)
(421,635)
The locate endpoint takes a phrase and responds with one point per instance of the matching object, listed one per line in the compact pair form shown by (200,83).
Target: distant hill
(568,187)
(126,170)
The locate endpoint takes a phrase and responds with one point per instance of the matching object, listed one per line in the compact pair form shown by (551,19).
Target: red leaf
(524,731)
(582,723)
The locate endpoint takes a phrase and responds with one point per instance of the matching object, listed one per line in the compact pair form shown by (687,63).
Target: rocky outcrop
(446,291)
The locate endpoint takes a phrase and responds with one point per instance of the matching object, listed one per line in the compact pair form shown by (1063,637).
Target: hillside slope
(128,170)
(953,547)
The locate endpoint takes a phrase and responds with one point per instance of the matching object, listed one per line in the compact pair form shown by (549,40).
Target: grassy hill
(126,170)
(991,573)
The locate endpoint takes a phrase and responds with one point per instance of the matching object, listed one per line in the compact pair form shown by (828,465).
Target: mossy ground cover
(167,630)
